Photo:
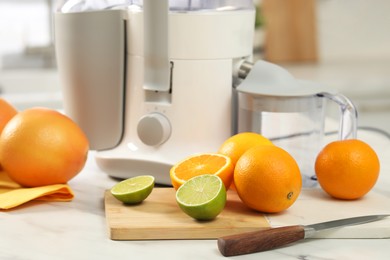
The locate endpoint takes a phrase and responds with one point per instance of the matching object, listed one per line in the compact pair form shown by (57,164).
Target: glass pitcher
(291,113)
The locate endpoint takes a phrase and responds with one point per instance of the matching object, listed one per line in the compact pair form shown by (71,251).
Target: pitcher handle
(349,115)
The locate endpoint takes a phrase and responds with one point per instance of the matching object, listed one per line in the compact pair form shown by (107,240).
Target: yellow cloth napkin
(13,195)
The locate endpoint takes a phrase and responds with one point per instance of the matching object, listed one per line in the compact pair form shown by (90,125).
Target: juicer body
(134,128)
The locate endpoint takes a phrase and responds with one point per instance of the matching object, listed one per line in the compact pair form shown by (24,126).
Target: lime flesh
(202,197)
(133,190)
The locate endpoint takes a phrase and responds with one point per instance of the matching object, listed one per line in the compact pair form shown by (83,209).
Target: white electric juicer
(151,82)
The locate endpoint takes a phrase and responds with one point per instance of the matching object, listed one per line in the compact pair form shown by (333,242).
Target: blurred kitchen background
(344,44)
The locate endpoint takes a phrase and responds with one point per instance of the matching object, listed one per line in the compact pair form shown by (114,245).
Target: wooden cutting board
(159,217)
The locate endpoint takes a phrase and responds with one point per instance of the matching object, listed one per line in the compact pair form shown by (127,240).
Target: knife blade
(263,240)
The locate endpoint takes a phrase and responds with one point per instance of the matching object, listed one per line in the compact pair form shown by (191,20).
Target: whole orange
(41,147)
(7,111)
(347,169)
(238,144)
(267,179)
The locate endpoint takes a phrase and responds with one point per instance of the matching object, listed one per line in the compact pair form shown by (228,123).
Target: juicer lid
(268,79)
(73,6)
(70,6)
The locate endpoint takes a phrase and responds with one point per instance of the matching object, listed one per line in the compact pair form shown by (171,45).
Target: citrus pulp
(199,164)
(133,190)
(202,197)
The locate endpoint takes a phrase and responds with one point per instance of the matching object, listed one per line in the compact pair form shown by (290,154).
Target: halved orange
(206,163)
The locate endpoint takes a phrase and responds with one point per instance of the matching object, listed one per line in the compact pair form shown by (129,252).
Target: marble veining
(77,229)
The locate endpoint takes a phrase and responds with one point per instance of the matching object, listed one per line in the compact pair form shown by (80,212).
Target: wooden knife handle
(258,241)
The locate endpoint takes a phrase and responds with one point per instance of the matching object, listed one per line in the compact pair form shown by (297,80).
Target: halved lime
(133,190)
(202,197)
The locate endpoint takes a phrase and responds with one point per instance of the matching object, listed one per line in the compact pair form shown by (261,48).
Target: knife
(267,239)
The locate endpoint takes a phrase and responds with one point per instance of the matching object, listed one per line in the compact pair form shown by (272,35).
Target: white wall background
(23,23)
(351,29)
(354,50)
(347,29)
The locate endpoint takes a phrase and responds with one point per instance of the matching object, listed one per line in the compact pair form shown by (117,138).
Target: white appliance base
(125,168)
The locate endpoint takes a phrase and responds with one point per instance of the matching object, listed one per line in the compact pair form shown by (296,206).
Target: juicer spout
(244,69)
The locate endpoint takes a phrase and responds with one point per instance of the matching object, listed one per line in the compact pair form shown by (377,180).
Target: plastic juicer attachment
(290,112)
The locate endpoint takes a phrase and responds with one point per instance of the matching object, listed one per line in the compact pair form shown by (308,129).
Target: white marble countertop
(77,229)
